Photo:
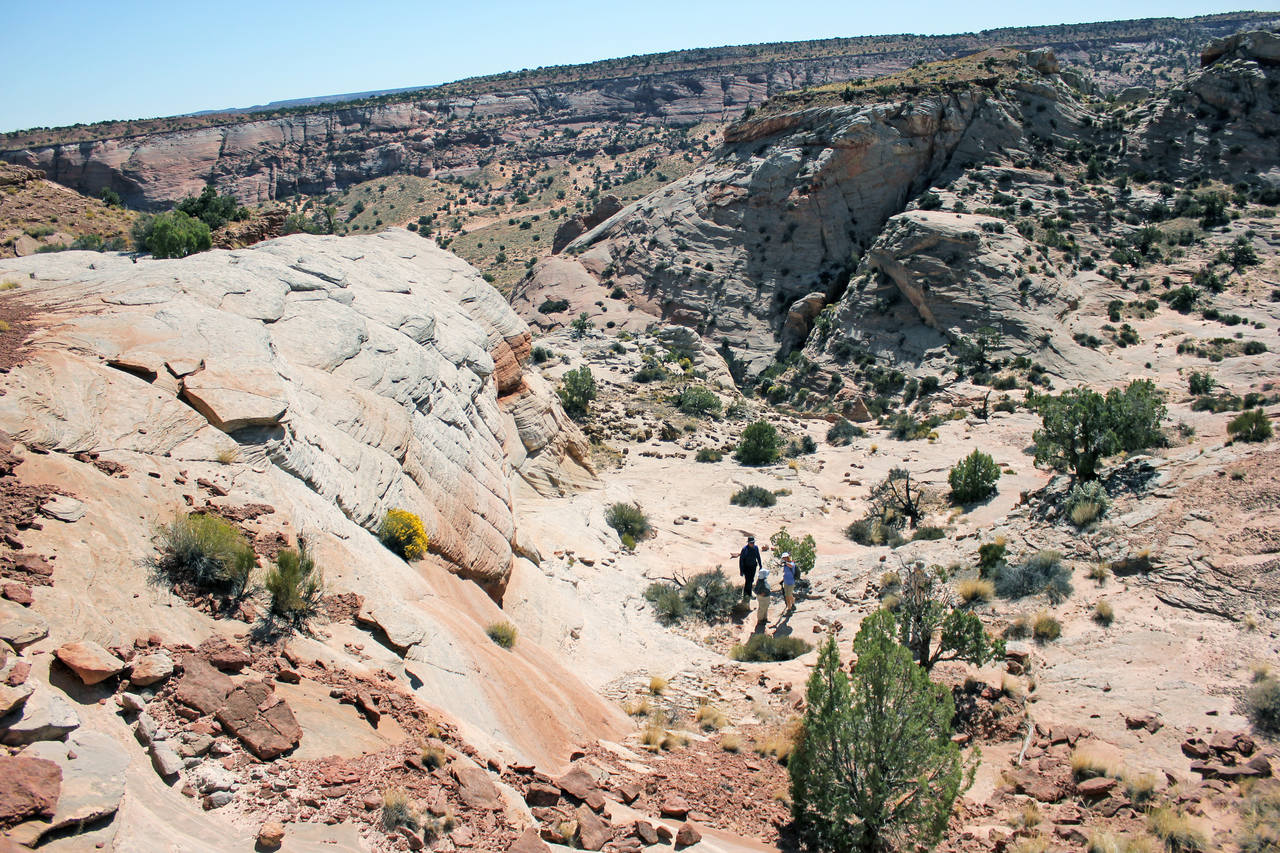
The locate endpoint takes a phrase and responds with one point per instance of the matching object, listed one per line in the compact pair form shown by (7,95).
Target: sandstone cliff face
(326,150)
(1222,122)
(791,200)
(934,278)
(378,372)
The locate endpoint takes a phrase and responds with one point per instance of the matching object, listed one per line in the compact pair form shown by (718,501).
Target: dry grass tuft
(657,684)
(1141,787)
(711,718)
(1030,844)
(1090,761)
(1103,613)
(396,810)
(228,455)
(1106,842)
(1178,832)
(1100,572)
(731,742)
(1046,628)
(1027,816)
(975,589)
(779,742)
(637,707)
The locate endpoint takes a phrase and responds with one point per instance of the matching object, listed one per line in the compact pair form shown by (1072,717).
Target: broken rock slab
(19,627)
(89,661)
(93,768)
(150,669)
(44,716)
(262,720)
(30,790)
(63,508)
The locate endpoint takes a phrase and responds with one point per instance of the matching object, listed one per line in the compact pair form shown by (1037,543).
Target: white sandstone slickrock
(380,371)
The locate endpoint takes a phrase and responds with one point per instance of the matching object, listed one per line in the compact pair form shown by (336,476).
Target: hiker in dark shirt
(748,562)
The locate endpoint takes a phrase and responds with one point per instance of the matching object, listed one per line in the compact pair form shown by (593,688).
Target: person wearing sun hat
(789,583)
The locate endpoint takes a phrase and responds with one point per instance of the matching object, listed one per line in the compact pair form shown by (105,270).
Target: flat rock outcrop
(374,370)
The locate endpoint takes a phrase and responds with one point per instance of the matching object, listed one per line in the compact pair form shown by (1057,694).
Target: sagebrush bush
(1263,702)
(402,532)
(296,587)
(767,648)
(708,595)
(753,496)
(991,554)
(502,633)
(1252,425)
(1086,502)
(667,603)
(844,431)
(628,519)
(973,478)
(709,454)
(205,551)
(1042,572)
(873,531)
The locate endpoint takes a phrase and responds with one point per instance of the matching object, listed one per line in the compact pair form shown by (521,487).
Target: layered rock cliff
(311,150)
(778,217)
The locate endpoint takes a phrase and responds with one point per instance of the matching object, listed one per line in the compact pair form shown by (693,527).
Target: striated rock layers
(750,246)
(1222,121)
(379,372)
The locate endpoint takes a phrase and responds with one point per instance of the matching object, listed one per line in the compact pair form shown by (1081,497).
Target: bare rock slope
(376,372)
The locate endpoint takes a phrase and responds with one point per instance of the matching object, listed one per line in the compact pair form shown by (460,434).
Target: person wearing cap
(789,583)
(748,562)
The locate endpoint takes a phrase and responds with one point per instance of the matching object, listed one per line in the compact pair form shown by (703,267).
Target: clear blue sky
(79,61)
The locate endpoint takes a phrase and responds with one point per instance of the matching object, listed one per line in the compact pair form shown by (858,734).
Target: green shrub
(402,532)
(628,519)
(708,454)
(580,325)
(759,444)
(171,235)
(1263,702)
(577,390)
(1200,383)
(928,533)
(899,791)
(212,209)
(1252,425)
(1080,427)
(1086,502)
(766,648)
(553,306)
(973,478)
(207,552)
(542,355)
(803,551)
(650,371)
(296,587)
(502,633)
(753,496)
(1042,572)
(991,554)
(698,402)
(843,432)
